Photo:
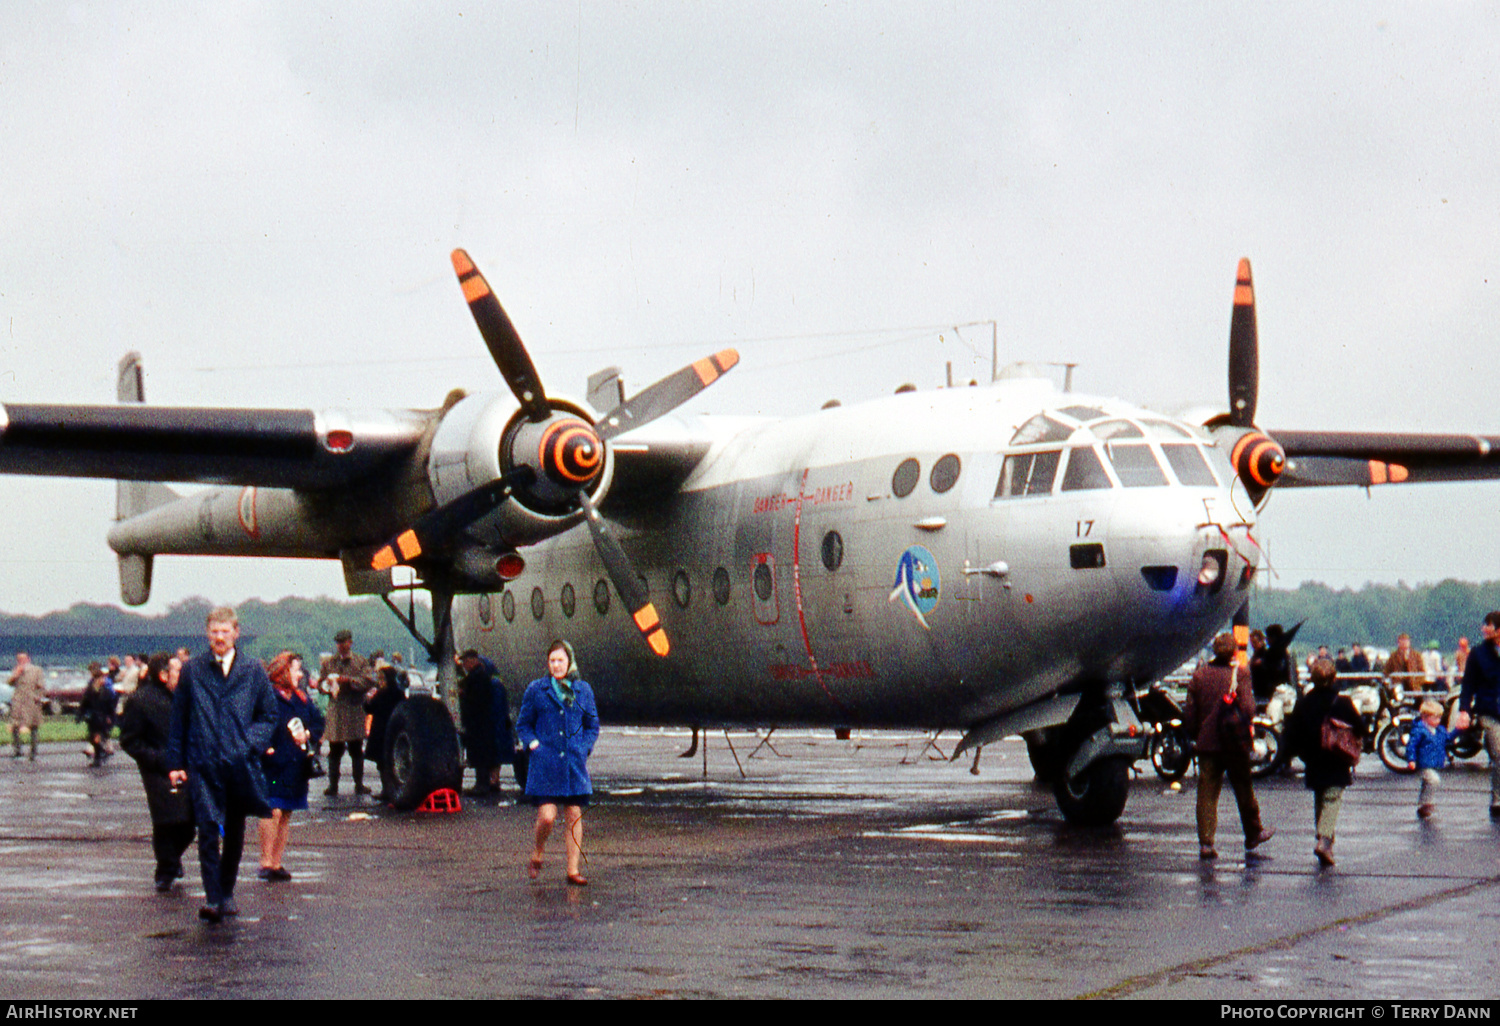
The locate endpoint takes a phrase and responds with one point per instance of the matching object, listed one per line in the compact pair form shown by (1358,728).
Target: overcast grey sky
(261,197)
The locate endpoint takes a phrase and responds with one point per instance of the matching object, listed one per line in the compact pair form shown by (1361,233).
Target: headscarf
(279,670)
(563,688)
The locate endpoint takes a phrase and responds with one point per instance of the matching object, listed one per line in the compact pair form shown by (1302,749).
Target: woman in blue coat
(558,726)
(299,731)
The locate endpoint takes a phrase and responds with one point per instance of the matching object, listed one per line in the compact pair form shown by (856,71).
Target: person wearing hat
(558,726)
(476,717)
(345,678)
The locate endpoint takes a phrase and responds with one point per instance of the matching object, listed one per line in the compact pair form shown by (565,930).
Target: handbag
(1337,738)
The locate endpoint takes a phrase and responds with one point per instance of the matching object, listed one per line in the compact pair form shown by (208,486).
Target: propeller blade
(627,583)
(502,339)
(433,530)
(1244,351)
(666,395)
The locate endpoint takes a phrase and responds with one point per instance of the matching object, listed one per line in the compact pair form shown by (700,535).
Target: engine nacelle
(484,437)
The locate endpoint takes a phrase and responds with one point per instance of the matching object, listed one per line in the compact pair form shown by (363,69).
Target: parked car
(65,688)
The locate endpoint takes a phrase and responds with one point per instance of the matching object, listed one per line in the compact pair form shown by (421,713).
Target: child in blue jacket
(1427,752)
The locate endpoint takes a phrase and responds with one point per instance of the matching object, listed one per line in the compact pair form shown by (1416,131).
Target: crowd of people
(219,738)
(1325,729)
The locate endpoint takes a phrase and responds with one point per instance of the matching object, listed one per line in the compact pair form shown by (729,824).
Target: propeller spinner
(553,455)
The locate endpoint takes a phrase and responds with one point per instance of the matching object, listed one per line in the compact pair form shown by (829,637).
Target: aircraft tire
(1096,797)
(421,752)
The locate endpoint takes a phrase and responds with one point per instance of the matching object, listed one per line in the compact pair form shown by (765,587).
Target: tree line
(300,624)
(1376,613)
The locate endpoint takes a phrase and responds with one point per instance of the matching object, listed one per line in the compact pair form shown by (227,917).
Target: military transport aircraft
(1005,559)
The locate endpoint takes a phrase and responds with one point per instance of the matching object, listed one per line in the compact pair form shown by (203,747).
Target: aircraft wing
(269,448)
(1363,458)
(649,472)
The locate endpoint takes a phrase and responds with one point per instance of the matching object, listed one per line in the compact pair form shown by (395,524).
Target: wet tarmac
(830,869)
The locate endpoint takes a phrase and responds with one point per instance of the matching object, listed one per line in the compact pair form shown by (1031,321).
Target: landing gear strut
(1102,739)
(421,743)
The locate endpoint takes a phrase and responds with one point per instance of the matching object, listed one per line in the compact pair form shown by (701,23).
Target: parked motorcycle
(1391,744)
(1378,702)
(1267,754)
(1171,747)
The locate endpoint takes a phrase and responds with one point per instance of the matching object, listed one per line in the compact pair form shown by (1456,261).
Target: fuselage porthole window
(905,479)
(682,588)
(601,596)
(721,586)
(944,473)
(538,603)
(763,583)
(508,606)
(486,609)
(833,551)
(569,600)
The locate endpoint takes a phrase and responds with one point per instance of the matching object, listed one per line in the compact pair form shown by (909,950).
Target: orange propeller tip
(659,643)
(384,559)
(1243,271)
(727,358)
(461,262)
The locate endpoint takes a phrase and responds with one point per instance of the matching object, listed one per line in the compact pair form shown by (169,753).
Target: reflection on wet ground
(828,869)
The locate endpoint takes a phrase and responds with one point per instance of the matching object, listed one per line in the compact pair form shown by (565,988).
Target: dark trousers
(222,869)
(222,798)
(1212,768)
(336,755)
(168,842)
(15,739)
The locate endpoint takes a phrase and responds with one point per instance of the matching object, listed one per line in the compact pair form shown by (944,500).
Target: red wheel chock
(444,799)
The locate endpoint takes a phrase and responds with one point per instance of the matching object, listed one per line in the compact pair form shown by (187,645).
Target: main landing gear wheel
(1095,797)
(421,752)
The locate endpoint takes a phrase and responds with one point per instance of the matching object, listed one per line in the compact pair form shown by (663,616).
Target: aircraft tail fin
(135,497)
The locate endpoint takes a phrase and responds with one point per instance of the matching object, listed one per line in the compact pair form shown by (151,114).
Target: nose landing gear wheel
(1095,797)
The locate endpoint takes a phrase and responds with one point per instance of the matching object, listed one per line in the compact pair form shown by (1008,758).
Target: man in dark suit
(223,717)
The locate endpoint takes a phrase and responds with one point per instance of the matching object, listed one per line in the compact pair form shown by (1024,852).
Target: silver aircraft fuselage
(933,559)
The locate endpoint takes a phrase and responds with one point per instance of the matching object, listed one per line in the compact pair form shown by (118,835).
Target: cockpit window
(1027,473)
(1084,472)
(1040,428)
(1115,429)
(1082,413)
(1136,466)
(1165,429)
(1188,464)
